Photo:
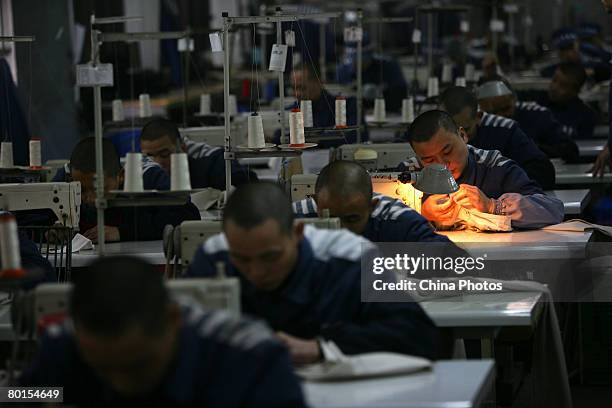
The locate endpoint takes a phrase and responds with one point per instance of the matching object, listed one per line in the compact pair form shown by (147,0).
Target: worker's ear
(463,134)
(479,115)
(374,203)
(298,230)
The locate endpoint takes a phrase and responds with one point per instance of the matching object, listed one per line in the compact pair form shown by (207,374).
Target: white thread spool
(9,244)
(205,104)
(233,105)
(6,155)
(179,172)
(35,154)
(460,81)
(470,72)
(447,73)
(340,112)
(133,173)
(296,127)
(306,108)
(144,105)
(432,87)
(380,114)
(408,110)
(118,114)
(255,132)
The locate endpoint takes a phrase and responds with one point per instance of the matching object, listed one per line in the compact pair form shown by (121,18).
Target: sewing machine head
(389,155)
(64,199)
(190,235)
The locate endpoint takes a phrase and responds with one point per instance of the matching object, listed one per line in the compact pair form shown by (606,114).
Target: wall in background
(48,78)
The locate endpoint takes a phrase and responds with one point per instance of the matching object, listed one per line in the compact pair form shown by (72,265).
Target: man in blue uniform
(306,83)
(605,159)
(488,181)
(492,132)
(160,138)
(565,104)
(376,71)
(306,283)
(554,139)
(565,40)
(345,189)
(122,223)
(128,343)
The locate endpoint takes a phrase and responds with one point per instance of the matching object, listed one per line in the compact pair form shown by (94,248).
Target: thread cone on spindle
(10,257)
(340,112)
(118,113)
(205,104)
(144,106)
(255,132)
(432,87)
(408,110)
(133,173)
(296,128)
(180,179)
(380,114)
(447,73)
(35,154)
(470,73)
(306,108)
(460,81)
(6,155)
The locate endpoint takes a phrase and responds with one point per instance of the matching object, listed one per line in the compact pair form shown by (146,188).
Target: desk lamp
(433,179)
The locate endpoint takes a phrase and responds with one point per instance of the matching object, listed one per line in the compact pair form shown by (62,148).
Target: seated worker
(306,282)
(565,104)
(595,54)
(160,138)
(33,261)
(122,223)
(604,159)
(565,41)
(345,189)
(306,83)
(488,182)
(127,342)
(554,139)
(491,132)
(377,71)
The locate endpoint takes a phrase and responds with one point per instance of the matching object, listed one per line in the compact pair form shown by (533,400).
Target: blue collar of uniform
(468,172)
(297,287)
(180,383)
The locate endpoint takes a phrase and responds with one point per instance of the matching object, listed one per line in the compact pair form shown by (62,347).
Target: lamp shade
(436,179)
(492,89)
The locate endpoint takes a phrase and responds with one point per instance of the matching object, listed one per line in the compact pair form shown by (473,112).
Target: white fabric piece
(480,221)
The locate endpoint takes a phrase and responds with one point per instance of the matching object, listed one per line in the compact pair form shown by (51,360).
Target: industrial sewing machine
(64,199)
(303,185)
(51,299)
(389,155)
(215,135)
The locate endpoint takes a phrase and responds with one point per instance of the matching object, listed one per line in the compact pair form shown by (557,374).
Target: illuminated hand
(301,351)
(111,234)
(472,198)
(599,167)
(440,209)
